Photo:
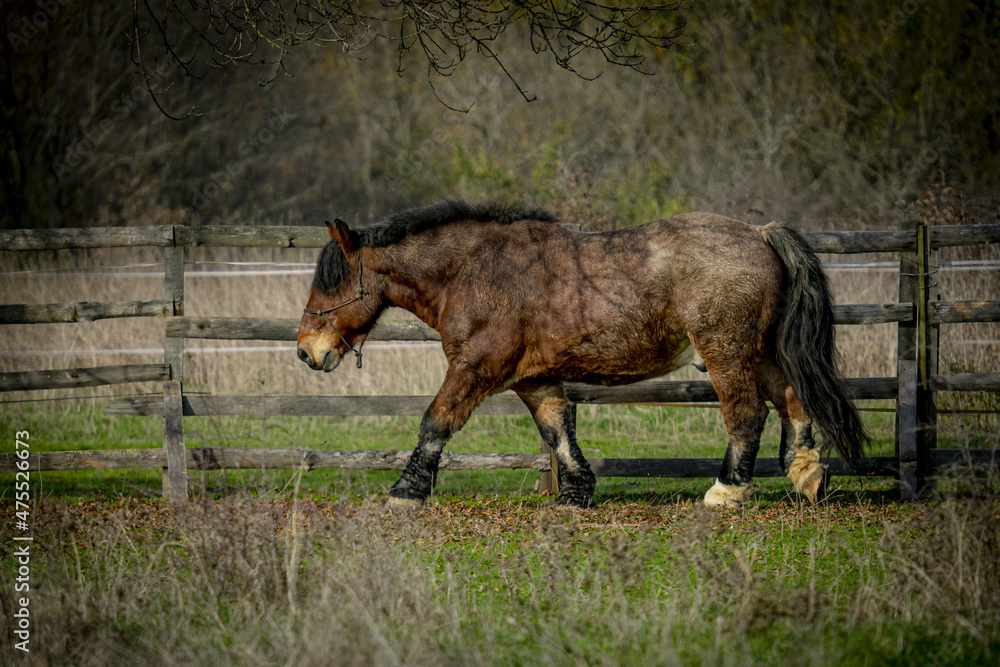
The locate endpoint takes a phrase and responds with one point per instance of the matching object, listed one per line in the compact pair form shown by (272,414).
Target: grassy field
(287,576)
(275,567)
(604,431)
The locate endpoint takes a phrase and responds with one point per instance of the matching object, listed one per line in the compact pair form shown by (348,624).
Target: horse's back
(693,258)
(708,243)
(625,305)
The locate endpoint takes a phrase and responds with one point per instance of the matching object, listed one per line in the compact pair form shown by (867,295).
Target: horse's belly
(623,363)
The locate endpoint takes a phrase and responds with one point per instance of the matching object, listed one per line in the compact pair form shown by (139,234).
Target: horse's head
(340,311)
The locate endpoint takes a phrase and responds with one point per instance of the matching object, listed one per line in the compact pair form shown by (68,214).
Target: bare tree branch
(443,32)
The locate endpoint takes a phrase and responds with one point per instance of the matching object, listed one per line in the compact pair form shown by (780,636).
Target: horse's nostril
(303,355)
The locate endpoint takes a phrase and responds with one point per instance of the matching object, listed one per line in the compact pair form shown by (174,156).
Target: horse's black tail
(805,344)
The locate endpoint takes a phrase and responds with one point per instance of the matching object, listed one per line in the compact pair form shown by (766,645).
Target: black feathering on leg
(792,441)
(577,489)
(741,453)
(420,475)
(576,479)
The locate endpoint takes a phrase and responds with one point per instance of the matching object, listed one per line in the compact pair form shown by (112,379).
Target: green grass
(604,431)
(285,568)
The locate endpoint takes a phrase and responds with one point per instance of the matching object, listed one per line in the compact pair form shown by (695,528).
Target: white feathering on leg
(728,495)
(808,475)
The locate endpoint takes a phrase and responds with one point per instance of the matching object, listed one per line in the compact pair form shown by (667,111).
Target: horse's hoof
(406,504)
(814,485)
(808,475)
(731,496)
(576,490)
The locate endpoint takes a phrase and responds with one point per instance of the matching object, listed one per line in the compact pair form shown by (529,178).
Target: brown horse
(522,303)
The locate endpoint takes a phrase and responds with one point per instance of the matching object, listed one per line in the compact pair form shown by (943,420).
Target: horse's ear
(342,234)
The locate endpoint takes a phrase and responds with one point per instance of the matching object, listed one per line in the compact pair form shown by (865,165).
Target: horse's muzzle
(327,363)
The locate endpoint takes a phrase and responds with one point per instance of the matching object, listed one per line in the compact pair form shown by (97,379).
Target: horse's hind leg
(797,453)
(555,418)
(744,412)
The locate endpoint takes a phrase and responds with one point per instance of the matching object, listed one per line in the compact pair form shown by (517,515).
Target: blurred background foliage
(822,114)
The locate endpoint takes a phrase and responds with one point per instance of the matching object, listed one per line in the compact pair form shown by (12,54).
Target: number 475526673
(22,492)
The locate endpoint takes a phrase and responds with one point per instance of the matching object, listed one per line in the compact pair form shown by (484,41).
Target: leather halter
(359,294)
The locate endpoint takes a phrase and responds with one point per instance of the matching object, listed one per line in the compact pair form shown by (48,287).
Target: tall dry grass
(213,366)
(275,579)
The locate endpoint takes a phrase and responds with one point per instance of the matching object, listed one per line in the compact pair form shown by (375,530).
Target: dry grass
(276,579)
(212,366)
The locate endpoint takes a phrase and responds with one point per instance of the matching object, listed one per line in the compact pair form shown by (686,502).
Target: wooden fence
(918,317)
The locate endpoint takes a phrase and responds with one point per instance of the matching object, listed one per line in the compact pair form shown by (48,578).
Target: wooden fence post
(906,371)
(927,358)
(173,355)
(175,474)
(173,292)
(548,480)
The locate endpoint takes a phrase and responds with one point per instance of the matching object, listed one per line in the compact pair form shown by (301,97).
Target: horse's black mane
(331,269)
(396,226)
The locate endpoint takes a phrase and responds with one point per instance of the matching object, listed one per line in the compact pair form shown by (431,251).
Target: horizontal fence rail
(247,328)
(71,378)
(955,312)
(246,269)
(649,392)
(86,238)
(317,236)
(82,311)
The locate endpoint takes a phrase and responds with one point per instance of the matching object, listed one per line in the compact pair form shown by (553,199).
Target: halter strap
(359,294)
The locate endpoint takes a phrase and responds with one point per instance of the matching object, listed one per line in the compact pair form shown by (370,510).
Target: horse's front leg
(555,418)
(448,412)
